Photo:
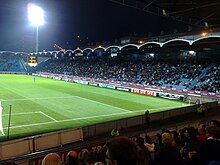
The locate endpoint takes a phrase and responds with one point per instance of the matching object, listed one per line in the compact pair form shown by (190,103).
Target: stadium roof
(102,21)
(200,13)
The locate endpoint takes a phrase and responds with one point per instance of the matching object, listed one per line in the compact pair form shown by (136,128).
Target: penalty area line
(97,102)
(83,118)
(48,116)
(22,113)
(67,120)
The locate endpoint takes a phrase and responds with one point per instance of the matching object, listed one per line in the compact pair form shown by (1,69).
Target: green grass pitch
(47,105)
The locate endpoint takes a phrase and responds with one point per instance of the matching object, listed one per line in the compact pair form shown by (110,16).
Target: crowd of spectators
(174,75)
(10,63)
(211,81)
(187,146)
(178,75)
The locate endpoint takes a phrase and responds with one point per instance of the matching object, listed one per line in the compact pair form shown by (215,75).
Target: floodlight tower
(36,18)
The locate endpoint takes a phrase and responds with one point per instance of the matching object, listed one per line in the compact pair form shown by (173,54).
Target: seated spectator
(52,159)
(201,133)
(140,143)
(71,158)
(148,143)
(189,144)
(169,153)
(214,123)
(83,156)
(121,151)
(209,149)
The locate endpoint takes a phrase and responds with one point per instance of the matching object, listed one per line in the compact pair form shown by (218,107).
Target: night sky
(92,20)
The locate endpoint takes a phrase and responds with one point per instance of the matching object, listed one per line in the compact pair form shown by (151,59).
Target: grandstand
(72,99)
(178,74)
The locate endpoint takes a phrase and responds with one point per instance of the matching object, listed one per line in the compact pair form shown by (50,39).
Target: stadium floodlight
(36,18)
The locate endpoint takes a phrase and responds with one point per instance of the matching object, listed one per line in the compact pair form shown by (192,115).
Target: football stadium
(54,105)
(137,100)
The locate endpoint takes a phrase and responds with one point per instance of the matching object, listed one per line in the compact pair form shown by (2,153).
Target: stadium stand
(11,63)
(186,142)
(181,76)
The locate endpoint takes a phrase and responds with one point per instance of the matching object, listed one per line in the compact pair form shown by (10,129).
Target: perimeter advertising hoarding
(143,92)
(170,96)
(107,86)
(123,89)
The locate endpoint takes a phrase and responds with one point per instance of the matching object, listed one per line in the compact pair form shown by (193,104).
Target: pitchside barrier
(93,130)
(14,148)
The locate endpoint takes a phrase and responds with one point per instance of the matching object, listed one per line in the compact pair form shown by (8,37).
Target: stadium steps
(204,71)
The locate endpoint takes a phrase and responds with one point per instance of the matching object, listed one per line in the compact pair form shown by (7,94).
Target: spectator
(140,143)
(147,117)
(214,123)
(201,137)
(210,149)
(190,144)
(121,151)
(71,158)
(51,159)
(148,143)
(169,153)
(83,156)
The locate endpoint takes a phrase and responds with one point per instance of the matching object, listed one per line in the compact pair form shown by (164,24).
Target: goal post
(1,128)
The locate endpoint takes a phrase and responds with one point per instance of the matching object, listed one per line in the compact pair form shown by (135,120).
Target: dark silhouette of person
(147,117)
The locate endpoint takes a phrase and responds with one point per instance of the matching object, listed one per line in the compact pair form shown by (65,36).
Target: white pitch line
(48,116)
(81,118)
(30,125)
(103,104)
(23,113)
(40,98)
(69,97)
(14,114)
(89,117)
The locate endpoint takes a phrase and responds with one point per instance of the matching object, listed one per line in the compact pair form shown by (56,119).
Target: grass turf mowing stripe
(103,104)
(46,98)
(83,118)
(71,104)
